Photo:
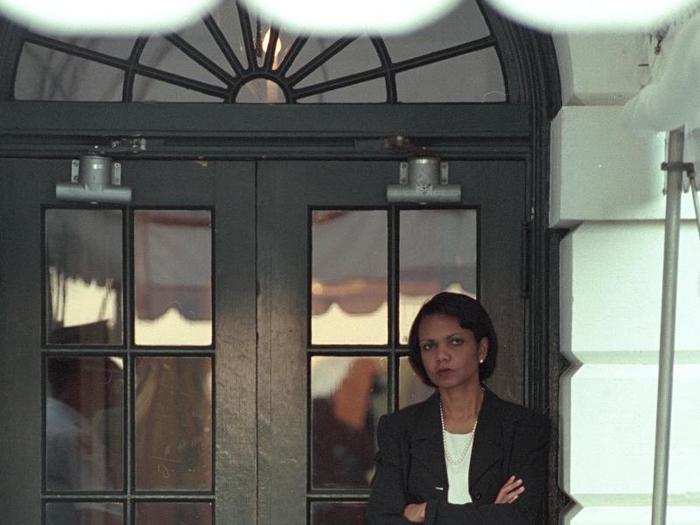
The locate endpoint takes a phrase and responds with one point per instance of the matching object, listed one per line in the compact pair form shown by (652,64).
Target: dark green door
(128,351)
(220,349)
(341,276)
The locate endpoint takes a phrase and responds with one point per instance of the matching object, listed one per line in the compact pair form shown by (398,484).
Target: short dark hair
(470,315)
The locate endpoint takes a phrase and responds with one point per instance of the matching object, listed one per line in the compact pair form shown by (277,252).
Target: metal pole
(668,325)
(696,202)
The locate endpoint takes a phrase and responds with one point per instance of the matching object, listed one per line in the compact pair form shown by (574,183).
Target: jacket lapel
(426,442)
(487,439)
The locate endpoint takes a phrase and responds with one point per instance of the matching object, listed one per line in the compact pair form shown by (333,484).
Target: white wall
(607,187)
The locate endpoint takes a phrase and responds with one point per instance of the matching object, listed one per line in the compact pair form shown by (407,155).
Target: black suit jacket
(410,465)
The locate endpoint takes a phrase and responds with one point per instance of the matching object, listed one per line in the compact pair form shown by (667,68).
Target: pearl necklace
(463,455)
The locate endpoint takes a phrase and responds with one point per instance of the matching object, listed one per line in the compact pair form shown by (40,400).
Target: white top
(458,475)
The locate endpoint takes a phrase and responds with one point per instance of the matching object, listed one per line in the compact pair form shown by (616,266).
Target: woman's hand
(510,490)
(415,512)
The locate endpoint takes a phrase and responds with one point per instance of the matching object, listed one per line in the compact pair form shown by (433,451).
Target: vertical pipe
(696,202)
(668,326)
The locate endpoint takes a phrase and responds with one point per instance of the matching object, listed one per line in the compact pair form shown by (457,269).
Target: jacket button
(477,496)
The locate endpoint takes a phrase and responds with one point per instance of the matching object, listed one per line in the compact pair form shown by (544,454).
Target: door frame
(541,357)
(518,129)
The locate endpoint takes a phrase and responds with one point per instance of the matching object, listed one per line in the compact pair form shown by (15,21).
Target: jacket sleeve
(388,497)
(529,462)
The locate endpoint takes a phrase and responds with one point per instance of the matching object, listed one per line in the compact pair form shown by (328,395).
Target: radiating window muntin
(209,62)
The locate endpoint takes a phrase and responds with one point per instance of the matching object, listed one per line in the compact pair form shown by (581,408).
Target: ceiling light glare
(331,17)
(105,18)
(592,15)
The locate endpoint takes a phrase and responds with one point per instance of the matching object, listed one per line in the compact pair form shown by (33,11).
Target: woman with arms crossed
(463,456)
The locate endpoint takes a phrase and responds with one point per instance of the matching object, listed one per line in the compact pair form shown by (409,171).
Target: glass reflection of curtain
(84,421)
(83,276)
(173,424)
(343,422)
(172,263)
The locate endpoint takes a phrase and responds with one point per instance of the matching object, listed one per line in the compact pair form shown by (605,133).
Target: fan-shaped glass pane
(373,91)
(226,21)
(201,39)
(475,77)
(45,74)
(150,90)
(464,24)
(357,56)
(163,54)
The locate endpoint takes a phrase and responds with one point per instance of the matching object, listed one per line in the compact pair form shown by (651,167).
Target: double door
(220,349)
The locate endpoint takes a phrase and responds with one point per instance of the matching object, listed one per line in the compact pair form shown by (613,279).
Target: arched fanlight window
(233,57)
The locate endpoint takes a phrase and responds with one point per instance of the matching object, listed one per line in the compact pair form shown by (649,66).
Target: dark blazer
(410,465)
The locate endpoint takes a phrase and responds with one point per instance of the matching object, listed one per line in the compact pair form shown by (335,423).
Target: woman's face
(449,352)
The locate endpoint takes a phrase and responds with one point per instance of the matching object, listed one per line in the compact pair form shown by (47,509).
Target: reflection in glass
(437,252)
(368,92)
(161,53)
(181,513)
(84,430)
(360,55)
(348,395)
(337,513)
(411,389)
(261,90)
(349,277)
(147,89)
(173,432)
(84,276)
(465,23)
(475,77)
(172,277)
(47,74)
(84,513)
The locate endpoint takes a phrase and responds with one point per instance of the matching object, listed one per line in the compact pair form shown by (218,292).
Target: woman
(463,456)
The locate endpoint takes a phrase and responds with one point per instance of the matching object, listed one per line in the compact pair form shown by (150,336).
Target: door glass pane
(172,277)
(84,513)
(84,423)
(337,513)
(411,389)
(437,252)
(84,276)
(181,513)
(173,430)
(348,395)
(349,277)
